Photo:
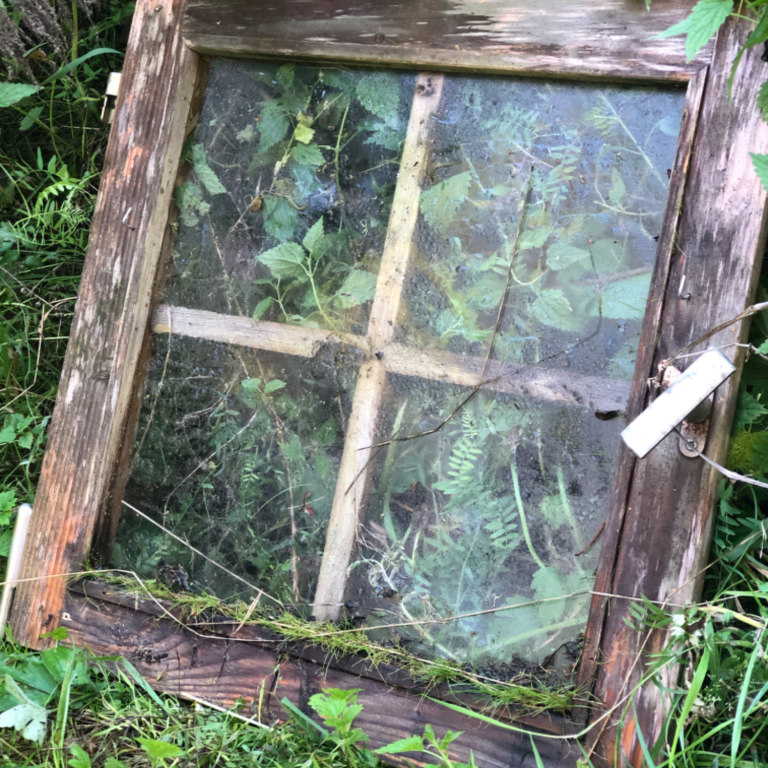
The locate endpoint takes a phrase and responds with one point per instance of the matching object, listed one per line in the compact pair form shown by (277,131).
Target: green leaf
(273,124)
(625,299)
(112,762)
(303,133)
(553,308)
(280,218)
(380,94)
(314,237)
(59,634)
(760,32)
(440,203)
(189,198)
(6,539)
(12,93)
(618,188)
(748,409)
(261,308)
(409,744)
(562,255)
(761,167)
(681,28)
(77,62)
(548,582)
(251,385)
(205,173)
(80,758)
(285,261)
(307,154)
(358,288)
(160,750)
(7,500)
(29,718)
(385,136)
(273,386)
(762,100)
(30,118)
(553,512)
(706,18)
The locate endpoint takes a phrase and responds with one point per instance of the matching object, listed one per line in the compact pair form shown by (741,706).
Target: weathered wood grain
(583,39)
(643,369)
(354,477)
(112,310)
(222,671)
(667,527)
(567,388)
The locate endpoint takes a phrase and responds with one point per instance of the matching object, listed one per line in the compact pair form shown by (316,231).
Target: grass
(51,150)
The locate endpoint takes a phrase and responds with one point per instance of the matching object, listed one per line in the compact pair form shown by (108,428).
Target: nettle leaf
(273,124)
(280,218)
(761,167)
(618,188)
(303,133)
(359,287)
(608,255)
(440,203)
(748,409)
(189,198)
(625,299)
(553,308)
(314,237)
(307,154)
(204,171)
(562,255)
(380,94)
(285,261)
(534,238)
(12,93)
(29,718)
(706,18)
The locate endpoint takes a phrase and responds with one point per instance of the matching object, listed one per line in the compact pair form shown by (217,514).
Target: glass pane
(232,451)
(284,213)
(597,160)
(489,511)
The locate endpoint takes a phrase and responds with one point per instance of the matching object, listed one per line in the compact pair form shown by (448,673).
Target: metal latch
(110,97)
(684,401)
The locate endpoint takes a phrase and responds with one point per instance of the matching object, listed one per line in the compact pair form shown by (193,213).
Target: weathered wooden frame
(707,237)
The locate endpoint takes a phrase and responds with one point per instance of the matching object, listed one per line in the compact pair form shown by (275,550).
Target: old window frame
(662,504)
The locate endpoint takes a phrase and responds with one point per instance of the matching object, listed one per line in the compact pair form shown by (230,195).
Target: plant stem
(523,521)
(568,511)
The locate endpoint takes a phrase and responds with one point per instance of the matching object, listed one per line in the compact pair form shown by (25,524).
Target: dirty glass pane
(237,451)
(597,161)
(285,210)
(490,511)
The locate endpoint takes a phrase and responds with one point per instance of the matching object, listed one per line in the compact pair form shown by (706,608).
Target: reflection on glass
(237,451)
(582,243)
(285,211)
(490,511)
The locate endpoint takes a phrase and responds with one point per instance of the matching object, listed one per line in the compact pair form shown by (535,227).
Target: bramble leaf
(625,299)
(273,123)
(280,218)
(553,308)
(562,255)
(314,237)
(307,154)
(303,133)
(440,203)
(359,287)
(204,171)
(380,94)
(285,261)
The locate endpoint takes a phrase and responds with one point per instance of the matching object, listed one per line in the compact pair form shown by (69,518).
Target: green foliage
(762,100)
(760,162)
(12,93)
(440,203)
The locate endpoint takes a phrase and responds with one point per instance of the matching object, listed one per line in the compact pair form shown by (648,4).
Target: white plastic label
(669,409)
